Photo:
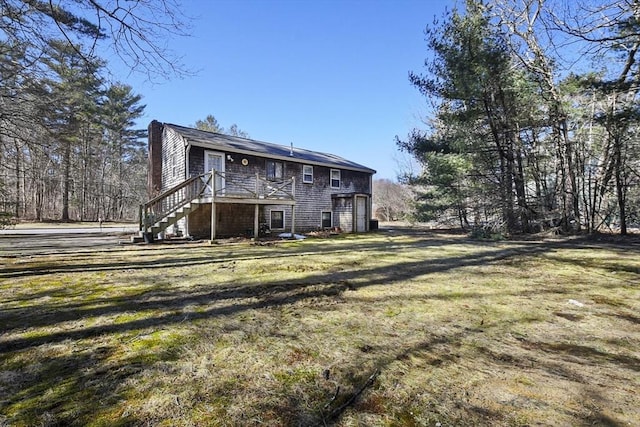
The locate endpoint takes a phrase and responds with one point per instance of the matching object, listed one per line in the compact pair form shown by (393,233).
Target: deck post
(213,205)
(293,207)
(256,223)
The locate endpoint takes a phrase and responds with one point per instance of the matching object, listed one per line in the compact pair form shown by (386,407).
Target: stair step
(172,218)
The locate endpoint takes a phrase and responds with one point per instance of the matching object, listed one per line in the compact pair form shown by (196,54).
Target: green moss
(392,311)
(243,332)
(297,376)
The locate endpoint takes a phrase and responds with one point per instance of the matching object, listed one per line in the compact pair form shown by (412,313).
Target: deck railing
(216,184)
(237,186)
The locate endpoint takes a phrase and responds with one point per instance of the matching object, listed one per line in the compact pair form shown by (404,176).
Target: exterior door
(214,160)
(361,214)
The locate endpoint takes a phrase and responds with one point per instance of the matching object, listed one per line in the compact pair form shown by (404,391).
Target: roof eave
(275,156)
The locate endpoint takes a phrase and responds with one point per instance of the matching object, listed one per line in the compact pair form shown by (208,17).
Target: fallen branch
(335,396)
(339,410)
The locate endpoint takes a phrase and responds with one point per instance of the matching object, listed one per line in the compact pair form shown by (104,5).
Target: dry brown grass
(459,332)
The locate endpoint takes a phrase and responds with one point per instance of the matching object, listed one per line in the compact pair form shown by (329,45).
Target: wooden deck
(175,203)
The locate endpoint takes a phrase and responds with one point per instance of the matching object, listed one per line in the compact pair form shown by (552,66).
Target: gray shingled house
(242,186)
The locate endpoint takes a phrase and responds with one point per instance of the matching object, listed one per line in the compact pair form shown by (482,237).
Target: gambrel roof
(236,144)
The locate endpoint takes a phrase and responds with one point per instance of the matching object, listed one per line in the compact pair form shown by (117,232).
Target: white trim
(187,152)
(304,181)
(331,171)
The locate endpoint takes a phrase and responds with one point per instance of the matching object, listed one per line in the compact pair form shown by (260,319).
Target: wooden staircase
(168,208)
(175,216)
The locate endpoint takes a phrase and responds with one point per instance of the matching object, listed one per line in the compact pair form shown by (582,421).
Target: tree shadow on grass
(171,302)
(594,404)
(614,265)
(582,352)
(238,298)
(241,297)
(148,259)
(72,390)
(436,351)
(570,363)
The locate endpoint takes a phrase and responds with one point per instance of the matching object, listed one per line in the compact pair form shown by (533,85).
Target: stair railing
(172,199)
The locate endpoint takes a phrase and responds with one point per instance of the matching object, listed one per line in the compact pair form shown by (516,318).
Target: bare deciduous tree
(391,201)
(135,31)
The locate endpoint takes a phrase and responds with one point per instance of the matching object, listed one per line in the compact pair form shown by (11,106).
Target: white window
(335,178)
(277,220)
(307,174)
(327,221)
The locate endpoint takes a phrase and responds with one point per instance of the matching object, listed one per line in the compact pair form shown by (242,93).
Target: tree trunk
(506,178)
(66,180)
(572,187)
(620,184)
(521,195)
(17,184)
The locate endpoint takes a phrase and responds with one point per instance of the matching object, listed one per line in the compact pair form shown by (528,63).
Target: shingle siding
(231,220)
(343,213)
(173,159)
(314,198)
(196,161)
(241,169)
(311,198)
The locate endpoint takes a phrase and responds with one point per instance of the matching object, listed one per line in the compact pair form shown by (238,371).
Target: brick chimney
(154,177)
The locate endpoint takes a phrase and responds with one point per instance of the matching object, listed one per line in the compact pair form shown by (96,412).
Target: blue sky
(325,75)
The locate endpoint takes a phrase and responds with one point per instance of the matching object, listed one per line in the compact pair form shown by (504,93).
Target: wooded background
(532,114)
(69,147)
(535,117)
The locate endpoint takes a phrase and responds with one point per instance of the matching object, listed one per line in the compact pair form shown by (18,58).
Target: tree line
(69,148)
(535,116)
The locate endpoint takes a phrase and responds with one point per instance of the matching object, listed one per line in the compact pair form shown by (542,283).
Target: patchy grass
(381,329)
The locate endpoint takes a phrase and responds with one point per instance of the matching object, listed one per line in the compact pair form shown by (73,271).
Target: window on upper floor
(275,170)
(307,174)
(335,178)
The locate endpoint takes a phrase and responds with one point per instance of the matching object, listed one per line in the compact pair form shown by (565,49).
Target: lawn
(395,328)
